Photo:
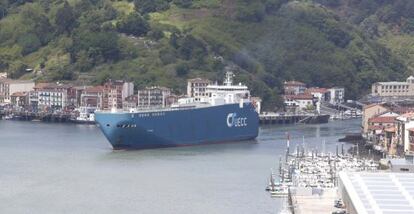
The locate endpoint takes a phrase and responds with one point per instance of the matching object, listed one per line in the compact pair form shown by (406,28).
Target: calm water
(62,168)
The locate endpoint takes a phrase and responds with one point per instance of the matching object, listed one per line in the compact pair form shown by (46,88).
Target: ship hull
(185,127)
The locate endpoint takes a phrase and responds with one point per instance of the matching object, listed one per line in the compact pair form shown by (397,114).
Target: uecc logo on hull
(234,121)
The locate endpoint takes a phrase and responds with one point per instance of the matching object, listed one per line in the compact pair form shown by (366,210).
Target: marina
(308,177)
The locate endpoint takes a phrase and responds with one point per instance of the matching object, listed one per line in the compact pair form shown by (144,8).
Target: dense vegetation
(349,43)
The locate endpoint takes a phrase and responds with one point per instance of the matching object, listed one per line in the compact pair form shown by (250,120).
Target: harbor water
(66,168)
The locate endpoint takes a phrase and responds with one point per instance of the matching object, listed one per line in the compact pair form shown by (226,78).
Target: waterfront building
(377,127)
(370,111)
(92,97)
(171,99)
(319,93)
(299,101)
(127,90)
(113,94)
(393,89)
(154,96)
(197,88)
(294,87)
(53,96)
(130,102)
(9,86)
(336,95)
(405,132)
(3,75)
(20,99)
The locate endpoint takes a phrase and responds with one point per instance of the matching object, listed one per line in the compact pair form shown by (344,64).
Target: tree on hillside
(99,47)
(3,8)
(133,24)
(65,19)
(183,3)
(149,6)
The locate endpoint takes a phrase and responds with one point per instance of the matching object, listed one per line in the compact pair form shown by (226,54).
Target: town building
(405,132)
(52,97)
(127,90)
(92,97)
(319,93)
(171,99)
(197,88)
(393,89)
(153,97)
(336,95)
(299,101)
(377,127)
(294,87)
(9,86)
(370,111)
(20,99)
(130,102)
(113,95)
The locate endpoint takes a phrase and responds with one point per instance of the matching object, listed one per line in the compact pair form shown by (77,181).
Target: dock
(306,203)
(278,118)
(39,116)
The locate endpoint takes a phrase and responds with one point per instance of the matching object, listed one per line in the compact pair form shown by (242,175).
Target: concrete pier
(314,204)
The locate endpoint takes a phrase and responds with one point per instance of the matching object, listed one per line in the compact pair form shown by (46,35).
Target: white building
(9,86)
(336,95)
(300,101)
(405,132)
(393,89)
(127,90)
(197,88)
(153,97)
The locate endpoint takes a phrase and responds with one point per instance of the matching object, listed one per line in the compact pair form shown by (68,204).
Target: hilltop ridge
(164,42)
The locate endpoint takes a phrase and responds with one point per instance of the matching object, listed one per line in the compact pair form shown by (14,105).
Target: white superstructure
(227,93)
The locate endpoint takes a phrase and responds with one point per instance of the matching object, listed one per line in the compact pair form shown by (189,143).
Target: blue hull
(167,128)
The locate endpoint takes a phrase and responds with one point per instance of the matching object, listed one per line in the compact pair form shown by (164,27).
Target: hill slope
(165,42)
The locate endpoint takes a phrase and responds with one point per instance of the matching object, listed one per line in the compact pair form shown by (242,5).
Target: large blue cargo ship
(226,115)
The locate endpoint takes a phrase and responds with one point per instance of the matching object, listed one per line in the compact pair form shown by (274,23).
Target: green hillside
(164,42)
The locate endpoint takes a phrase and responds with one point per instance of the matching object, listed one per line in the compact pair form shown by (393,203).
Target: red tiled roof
(95,89)
(382,120)
(295,83)
(375,127)
(316,90)
(299,97)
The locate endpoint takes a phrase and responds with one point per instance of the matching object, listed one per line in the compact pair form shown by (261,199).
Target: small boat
(86,116)
(8,117)
(281,191)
